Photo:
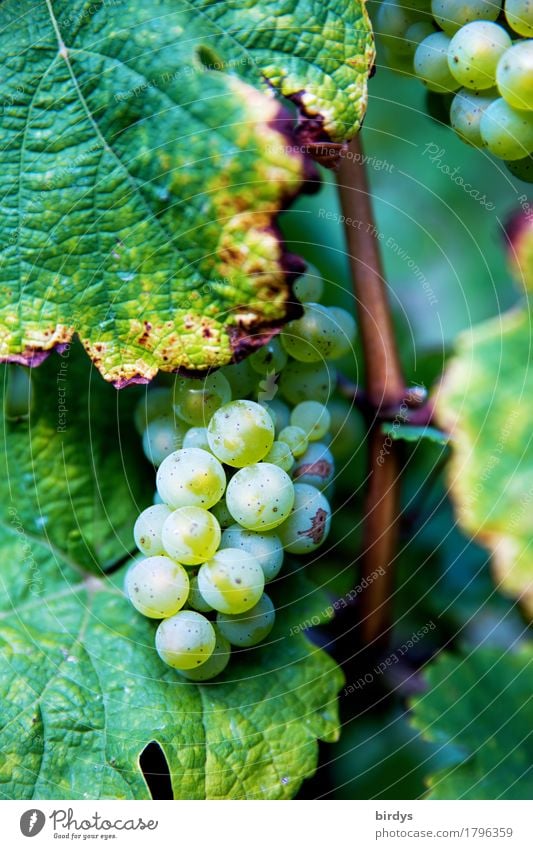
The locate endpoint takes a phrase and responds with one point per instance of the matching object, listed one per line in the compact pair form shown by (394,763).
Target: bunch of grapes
(483,53)
(239,483)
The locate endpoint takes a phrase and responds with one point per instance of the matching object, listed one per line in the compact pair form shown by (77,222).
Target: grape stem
(385,392)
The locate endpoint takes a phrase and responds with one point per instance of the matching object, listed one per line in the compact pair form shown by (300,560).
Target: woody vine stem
(385,393)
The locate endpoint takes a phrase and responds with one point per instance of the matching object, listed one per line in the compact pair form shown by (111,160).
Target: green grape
(241,378)
(451,15)
(260,496)
(416,33)
(308,524)
(392,21)
(249,628)
(221,513)
(280,455)
(266,548)
(303,382)
(313,418)
(522,168)
(241,433)
(161,438)
(279,413)
(466,111)
(185,640)
(314,337)
(310,286)
(474,53)
(148,527)
(191,477)
(195,401)
(347,330)
(232,581)
(295,438)
(19,393)
(269,359)
(506,132)
(519,14)
(196,599)
(155,404)
(191,535)
(157,586)
(347,428)
(316,467)
(215,664)
(514,75)
(196,437)
(431,63)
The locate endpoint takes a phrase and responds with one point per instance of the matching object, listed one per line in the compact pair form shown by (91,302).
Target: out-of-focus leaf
(382,757)
(414,433)
(483,705)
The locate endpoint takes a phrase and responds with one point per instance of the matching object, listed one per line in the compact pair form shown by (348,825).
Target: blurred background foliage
(440,212)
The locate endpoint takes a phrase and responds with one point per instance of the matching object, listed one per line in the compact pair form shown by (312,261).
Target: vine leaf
(486,402)
(141,185)
(84,692)
(82,689)
(414,433)
(480,706)
(318,54)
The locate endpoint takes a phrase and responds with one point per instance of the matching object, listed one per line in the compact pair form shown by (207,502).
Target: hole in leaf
(156,772)
(209,58)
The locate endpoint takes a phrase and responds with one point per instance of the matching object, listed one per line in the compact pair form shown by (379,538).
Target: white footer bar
(281,825)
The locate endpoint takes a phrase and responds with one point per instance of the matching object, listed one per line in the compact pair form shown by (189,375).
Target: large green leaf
(141,185)
(482,704)
(82,690)
(72,474)
(486,402)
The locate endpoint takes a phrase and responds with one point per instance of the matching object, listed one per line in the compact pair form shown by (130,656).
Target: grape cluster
(480,51)
(239,483)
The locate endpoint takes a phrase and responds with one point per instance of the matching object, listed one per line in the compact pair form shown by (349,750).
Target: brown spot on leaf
(313,138)
(231,253)
(145,336)
(283,122)
(243,344)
